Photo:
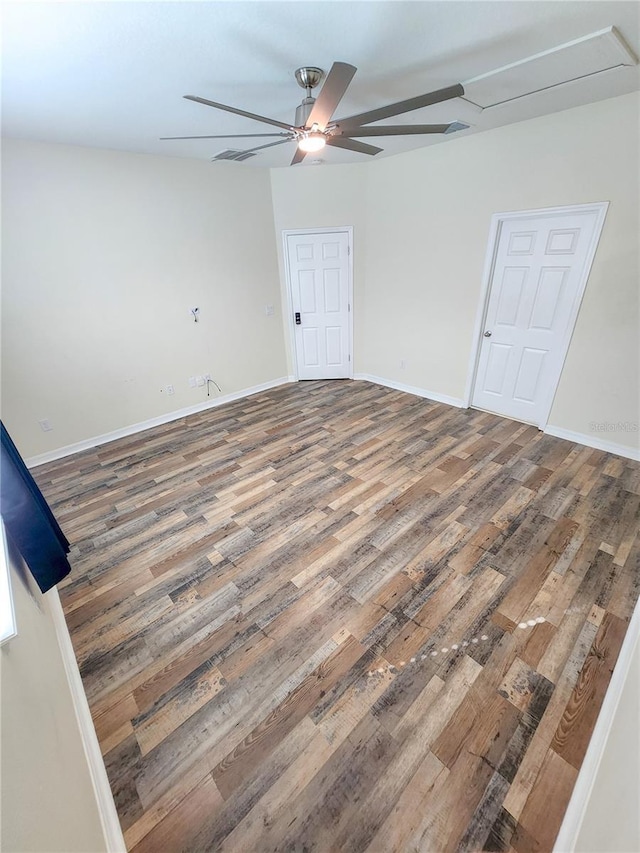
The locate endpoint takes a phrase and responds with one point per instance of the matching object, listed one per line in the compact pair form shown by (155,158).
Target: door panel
(319,270)
(310,347)
(528,376)
(334,345)
(547,298)
(513,281)
(538,276)
(497,364)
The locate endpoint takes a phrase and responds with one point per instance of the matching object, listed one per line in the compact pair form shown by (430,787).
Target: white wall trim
(577,808)
(102,790)
(594,441)
(412,389)
(287,285)
(87,444)
(600,209)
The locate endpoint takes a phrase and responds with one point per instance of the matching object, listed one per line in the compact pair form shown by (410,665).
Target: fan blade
(353,145)
(331,94)
(226,136)
(244,113)
(268,145)
(395,130)
(403,106)
(298,157)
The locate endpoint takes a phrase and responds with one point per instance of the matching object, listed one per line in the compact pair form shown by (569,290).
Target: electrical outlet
(269,310)
(170,389)
(45,425)
(192,382)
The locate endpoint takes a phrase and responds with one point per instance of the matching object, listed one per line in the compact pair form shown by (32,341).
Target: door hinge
(349,356)
(348,250)
(349,306)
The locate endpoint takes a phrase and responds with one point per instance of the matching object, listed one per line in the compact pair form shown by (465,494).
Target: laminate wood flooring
(337,617)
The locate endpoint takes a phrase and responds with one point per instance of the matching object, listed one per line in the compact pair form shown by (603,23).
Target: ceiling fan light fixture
(315,125)
(312,141)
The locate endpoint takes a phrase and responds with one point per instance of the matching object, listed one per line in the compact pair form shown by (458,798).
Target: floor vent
(233,154)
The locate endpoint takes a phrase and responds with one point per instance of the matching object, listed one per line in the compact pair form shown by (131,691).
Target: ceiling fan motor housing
(303,111)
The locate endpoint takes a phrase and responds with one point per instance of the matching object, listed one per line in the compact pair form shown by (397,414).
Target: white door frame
(600,209)
(348,229)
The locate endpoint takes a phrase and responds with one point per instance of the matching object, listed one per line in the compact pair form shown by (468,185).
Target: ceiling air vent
(233,154)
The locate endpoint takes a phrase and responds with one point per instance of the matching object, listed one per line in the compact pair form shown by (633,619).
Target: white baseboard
(411,389)
(558,432)
(579,802)
(595,442)
(102,790)
(96,441)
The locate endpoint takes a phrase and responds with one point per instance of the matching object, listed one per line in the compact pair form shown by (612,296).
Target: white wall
(47,799)
(103,255)
(424,218)
(612,820)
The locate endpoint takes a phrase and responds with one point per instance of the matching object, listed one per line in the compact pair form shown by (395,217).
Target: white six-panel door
(318,271)
(539,272)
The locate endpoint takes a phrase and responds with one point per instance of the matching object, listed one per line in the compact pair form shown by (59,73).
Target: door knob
(297,317)
(487,334)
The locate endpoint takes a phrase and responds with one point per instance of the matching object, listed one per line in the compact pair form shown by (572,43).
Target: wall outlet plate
(192,382)
(45,425)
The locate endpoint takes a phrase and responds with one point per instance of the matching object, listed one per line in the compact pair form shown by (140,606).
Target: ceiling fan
(315,126)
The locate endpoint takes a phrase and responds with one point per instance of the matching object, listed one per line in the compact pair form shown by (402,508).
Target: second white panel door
(319,281)
(538,277)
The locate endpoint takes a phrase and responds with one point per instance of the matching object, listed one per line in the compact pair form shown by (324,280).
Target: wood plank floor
(337,617)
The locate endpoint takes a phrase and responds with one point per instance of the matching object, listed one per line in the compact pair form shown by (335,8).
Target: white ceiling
(112,74)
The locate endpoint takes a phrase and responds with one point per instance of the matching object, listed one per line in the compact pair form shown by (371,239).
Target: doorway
(537,267)
(318,267)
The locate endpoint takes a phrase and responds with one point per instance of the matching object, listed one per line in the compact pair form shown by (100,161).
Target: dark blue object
(28,519)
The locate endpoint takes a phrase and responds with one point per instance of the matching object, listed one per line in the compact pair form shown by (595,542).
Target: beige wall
(424,223)
(47,798)
(427,229)
(103,255)
(321,197)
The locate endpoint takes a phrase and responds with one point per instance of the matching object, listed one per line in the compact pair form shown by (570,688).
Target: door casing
(600,209)
(348,229)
